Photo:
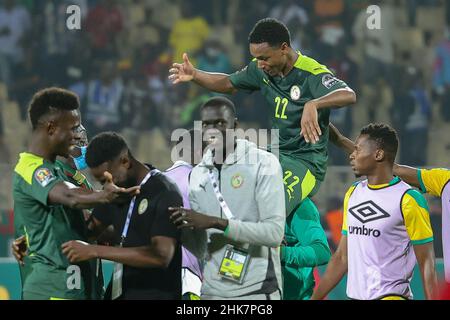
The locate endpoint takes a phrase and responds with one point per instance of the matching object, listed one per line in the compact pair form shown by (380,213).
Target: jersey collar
(394,181)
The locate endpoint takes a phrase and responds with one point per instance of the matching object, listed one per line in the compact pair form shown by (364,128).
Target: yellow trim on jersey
(434,180)
(27,237)
(394,180)
(55,298)
(27,164)
(310,65)
(346,198)
(417,217)
(308,184)
(393,298)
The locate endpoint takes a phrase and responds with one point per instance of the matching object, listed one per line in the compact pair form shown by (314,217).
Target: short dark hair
(270,30)
(104,147)
(219,102)
(384,136)
(50,100)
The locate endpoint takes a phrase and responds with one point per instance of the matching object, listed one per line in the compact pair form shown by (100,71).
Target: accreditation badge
(234,264)
(117,281)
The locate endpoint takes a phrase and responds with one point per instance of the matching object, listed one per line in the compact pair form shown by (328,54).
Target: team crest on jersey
(329,81)
(295,93)
(236,181)
(44,176)
(143,205)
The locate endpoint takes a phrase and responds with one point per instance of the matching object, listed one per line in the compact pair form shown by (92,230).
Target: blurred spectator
(328,13)
(411,117)
(412,8)
(4,151)
(442,64)
(142,114)
(295,17)
(347,70)
(441,77)
(214,58)
(188,34)
(377,44)
(54,41)
(78,69)
(104,100)
(104,22)
(14,23)
(28,79)
(343,65)
(140,29)
(418,124)
(290,13)
(164,97)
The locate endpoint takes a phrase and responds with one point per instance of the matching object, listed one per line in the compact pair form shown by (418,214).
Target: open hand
(78,251)
(309,123)
(19,249)
(182,72)
(114,193)
(186,218)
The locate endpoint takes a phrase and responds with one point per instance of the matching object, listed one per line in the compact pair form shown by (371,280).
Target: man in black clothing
(148,259)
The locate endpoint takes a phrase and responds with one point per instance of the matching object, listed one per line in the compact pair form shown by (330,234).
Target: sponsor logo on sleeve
(329,81)
(44,176)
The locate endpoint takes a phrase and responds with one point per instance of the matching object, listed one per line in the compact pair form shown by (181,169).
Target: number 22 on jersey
(283,102)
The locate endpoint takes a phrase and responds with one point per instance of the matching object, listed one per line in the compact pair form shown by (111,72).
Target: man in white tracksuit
(239,202)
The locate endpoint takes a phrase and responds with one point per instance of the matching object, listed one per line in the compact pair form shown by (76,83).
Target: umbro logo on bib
(368,211)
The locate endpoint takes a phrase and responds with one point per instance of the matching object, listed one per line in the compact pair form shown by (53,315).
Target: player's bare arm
(158,254)
(407,174)
(309,124)
(79,198)
(336,269)
(426,260)
(185,72)
(186,218)
(340,141)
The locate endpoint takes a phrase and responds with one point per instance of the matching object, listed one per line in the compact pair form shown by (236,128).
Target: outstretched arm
(79,198)
(309,124)
(185,72)
(407,174)
(341,141)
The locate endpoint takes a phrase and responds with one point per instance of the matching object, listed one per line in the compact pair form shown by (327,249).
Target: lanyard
(131,207)
(219,196)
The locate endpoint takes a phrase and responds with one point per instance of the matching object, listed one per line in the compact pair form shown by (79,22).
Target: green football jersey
(77,178)
(286,97)
(47,227)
